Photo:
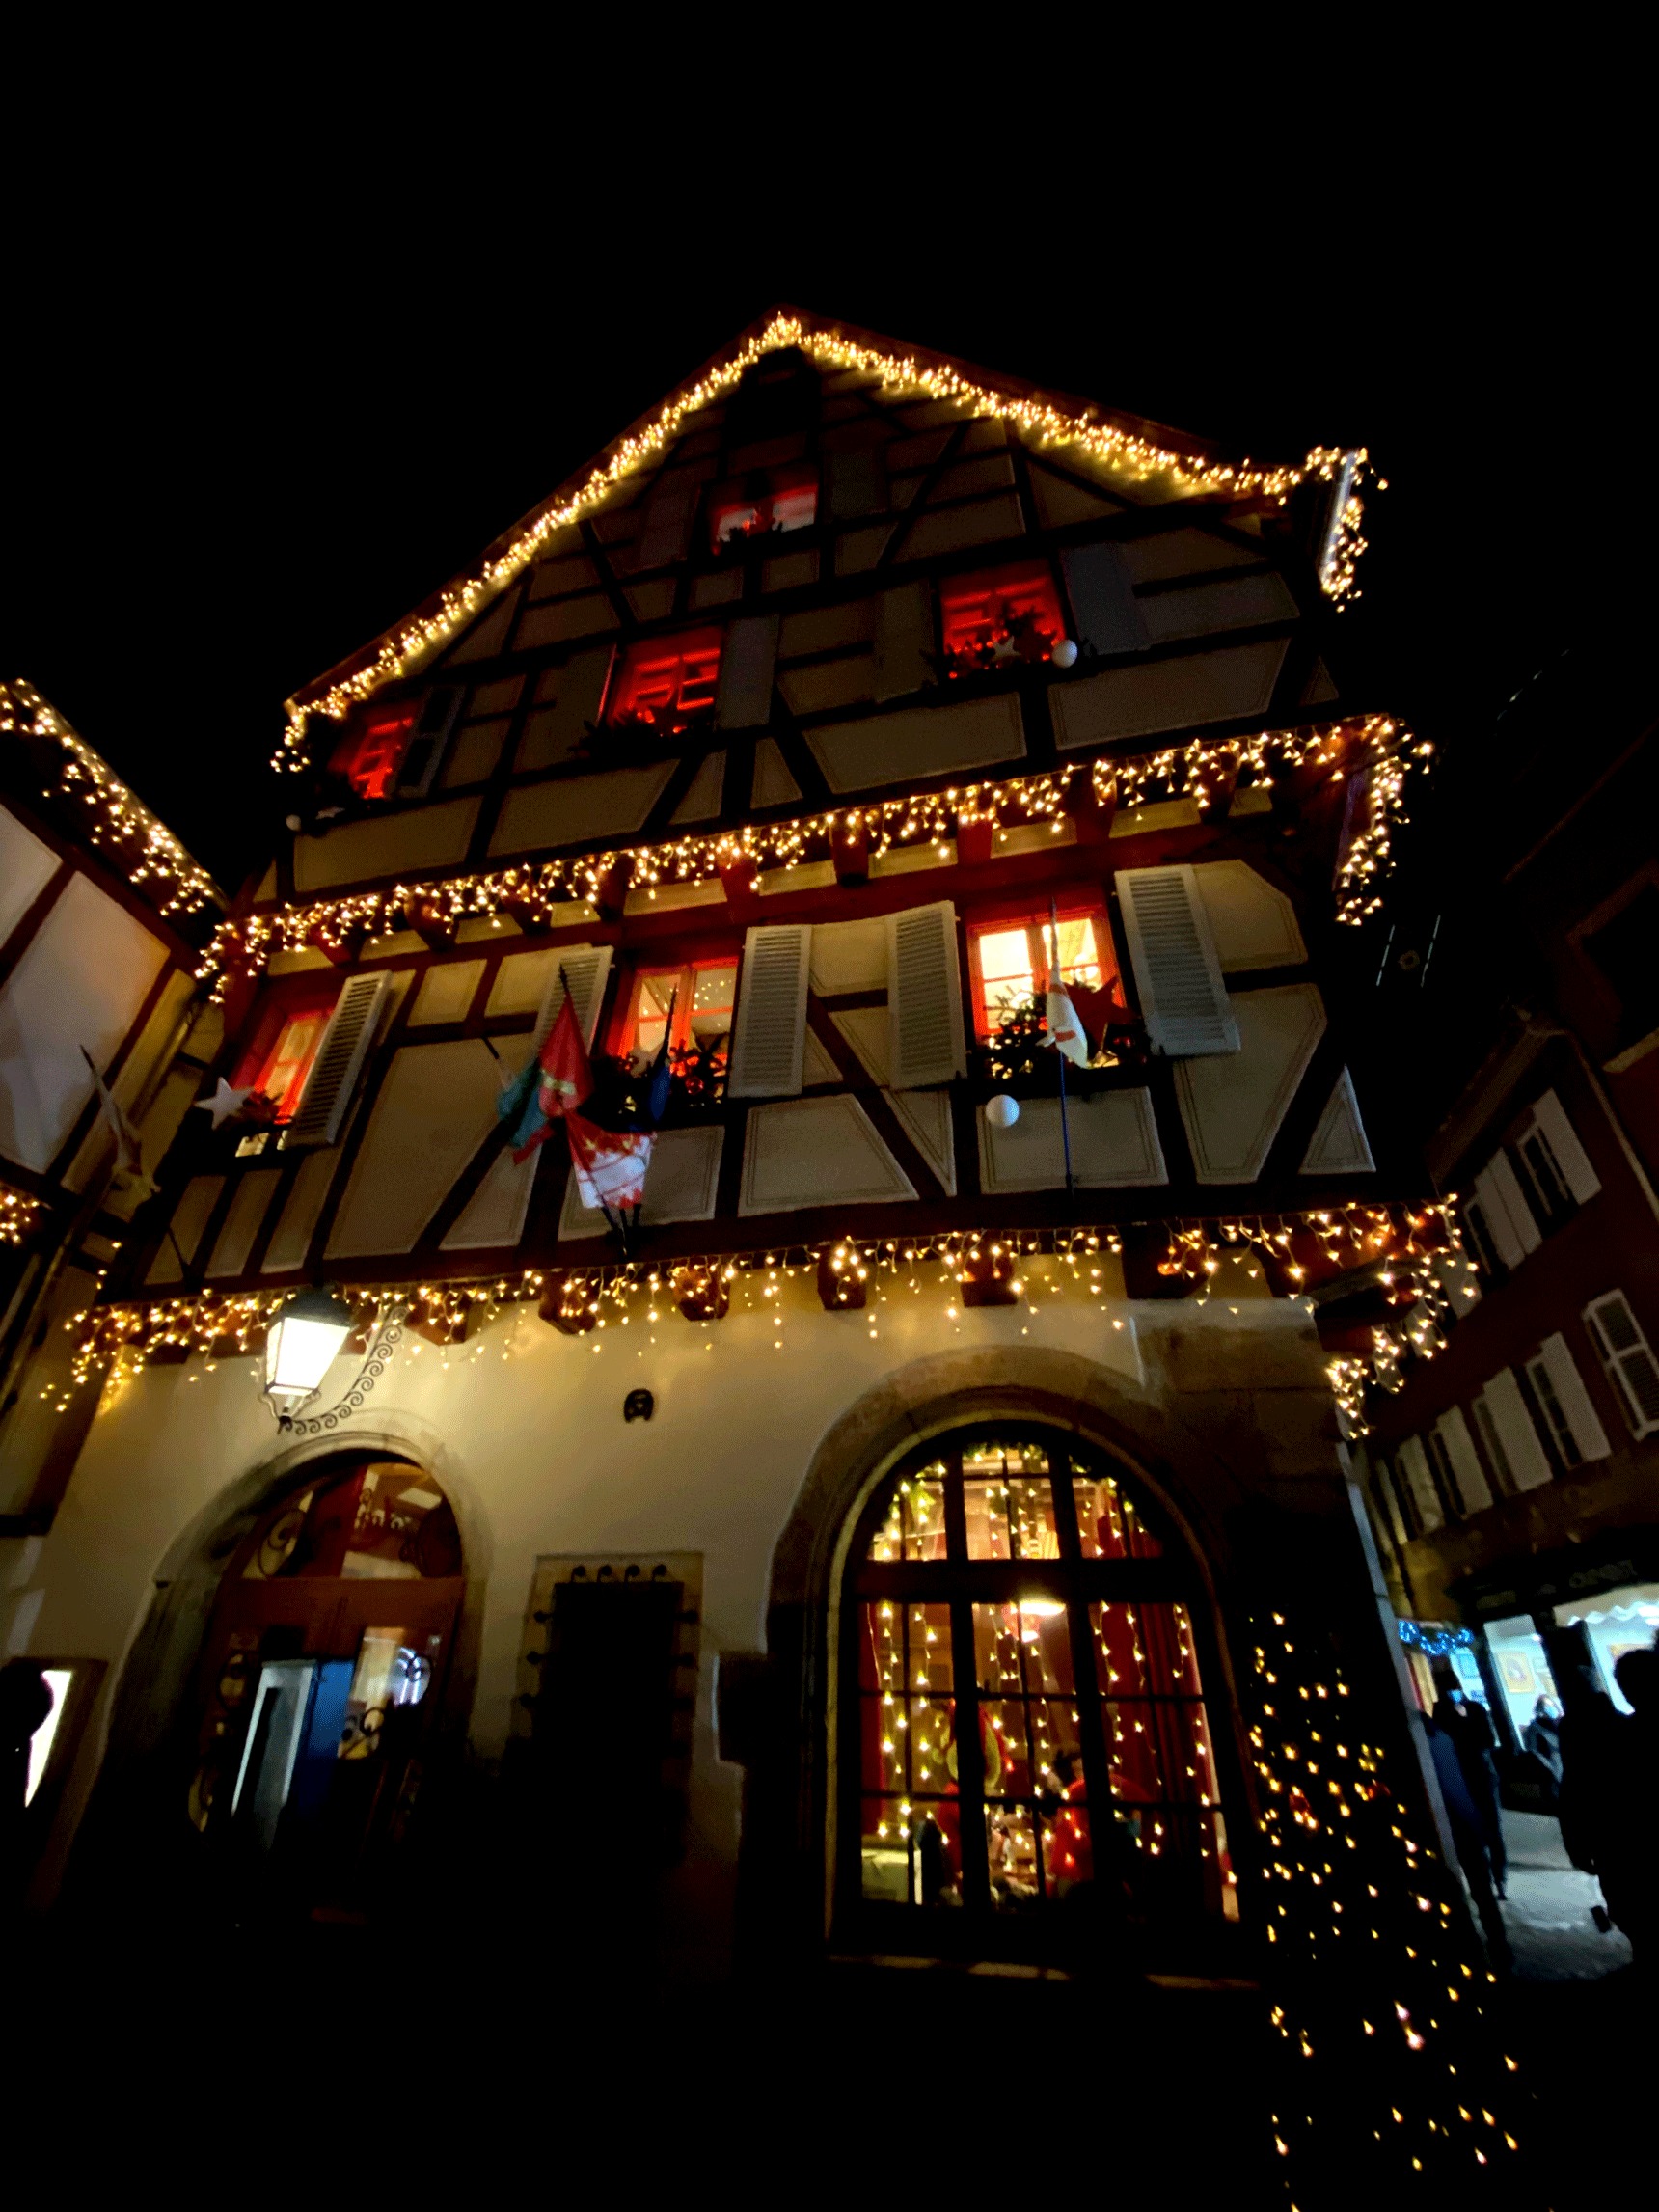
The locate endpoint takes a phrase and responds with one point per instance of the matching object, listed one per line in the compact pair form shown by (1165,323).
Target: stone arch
(787,1858)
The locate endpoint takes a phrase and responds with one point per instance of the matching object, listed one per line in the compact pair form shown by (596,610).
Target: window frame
(624,1021)
(1081,906)
(623,685)
(1033,578)
(782,479)
(978,1928)
(306,994)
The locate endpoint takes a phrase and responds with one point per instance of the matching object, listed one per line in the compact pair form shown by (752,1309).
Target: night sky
(230,468)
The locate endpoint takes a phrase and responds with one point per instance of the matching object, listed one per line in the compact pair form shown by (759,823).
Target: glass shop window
(691,1006)
(1023,1684)
(664,684)
(370,756)
(1009,962)
(764,505)
(1000,616)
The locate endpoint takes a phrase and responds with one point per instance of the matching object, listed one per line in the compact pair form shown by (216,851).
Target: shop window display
(1031,1735)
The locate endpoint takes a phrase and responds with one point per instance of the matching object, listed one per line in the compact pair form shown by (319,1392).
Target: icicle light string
(143,850)
(20,1215)
(1381,749)
(1126,452)
(1068,1263)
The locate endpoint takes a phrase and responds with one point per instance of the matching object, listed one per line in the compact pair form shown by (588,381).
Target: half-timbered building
(890,1538)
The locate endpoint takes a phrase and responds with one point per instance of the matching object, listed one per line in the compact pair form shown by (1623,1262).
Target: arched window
(1025,1734)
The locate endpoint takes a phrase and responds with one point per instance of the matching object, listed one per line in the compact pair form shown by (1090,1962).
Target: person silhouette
(1629,1836)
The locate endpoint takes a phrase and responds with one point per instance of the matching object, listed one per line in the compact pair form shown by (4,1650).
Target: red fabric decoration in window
(1001,615)
(788,500)
(371,754)
(664,683)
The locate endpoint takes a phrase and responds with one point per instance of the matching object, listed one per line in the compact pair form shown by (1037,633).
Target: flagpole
(1057,983)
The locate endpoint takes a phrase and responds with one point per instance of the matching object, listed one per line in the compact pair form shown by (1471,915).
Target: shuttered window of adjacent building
(1556,1162)
(1627,1357)
(1469,1482)
(1559,1388)
(1183,1001)
(1504,1226)
(769,1034)
(339,1060)
(924,997)
(1413,1462)
(1507,1429)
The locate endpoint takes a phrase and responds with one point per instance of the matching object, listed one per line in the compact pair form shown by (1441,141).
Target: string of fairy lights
(1377,1978)
(20,1215)
(861,1274)
(1128,454)
(1380,752)
(146,852)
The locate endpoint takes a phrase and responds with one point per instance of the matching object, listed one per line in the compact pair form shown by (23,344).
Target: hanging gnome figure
(610,1146)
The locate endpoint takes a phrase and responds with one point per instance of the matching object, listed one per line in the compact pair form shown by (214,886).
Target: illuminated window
(285,1048)
(370,756)
(1000,615)
(775,500)
(665,683)
(697,1000)
(1022,1680)
(1009,962)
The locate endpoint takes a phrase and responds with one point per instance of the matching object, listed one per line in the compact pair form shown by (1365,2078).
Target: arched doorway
(1026,1765)
(321,1673)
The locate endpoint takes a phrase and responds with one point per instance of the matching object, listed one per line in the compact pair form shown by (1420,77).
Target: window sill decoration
(1129,452)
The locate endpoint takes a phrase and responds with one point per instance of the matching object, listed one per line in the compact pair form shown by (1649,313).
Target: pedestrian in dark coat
(1627,1852)
(1468,1728)
(1542,1736)
(1468,1837)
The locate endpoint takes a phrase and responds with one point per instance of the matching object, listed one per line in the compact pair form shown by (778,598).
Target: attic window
(665,683)
(371,754)
(999,616)
(766,503)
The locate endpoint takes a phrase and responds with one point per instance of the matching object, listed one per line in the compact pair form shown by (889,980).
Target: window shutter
(1559,1390)
(666,528)
(586,968)
(769,1037)
(904,640)
(340,1056)
(1386,1504)
(743,697)
(856,487)
(1549,1118)
(432,728)
(1182,997)
(1468,1476)
(1522,1455)
(925,1043)
(1627,1359)
(1103,603)
(1510,1220)
(1425,1497)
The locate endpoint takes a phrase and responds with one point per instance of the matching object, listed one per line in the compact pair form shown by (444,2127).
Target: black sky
(252,422)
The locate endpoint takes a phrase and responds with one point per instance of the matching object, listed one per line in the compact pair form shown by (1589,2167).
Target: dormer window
(766,503)
(664,684)
(1000,616)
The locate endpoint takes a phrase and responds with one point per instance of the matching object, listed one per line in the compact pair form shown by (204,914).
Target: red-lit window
(1009,962)
(779,500)
(372,753)
(664,683)
(285,1047)
(1000,615)
(691,1004)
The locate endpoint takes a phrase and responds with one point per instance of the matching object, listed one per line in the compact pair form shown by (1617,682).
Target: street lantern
(305,1340)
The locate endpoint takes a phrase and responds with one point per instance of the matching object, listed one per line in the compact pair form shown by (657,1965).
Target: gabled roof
(1131,447)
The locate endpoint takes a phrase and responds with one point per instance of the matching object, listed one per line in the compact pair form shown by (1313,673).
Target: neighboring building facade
(925,1509)
(1515,1475)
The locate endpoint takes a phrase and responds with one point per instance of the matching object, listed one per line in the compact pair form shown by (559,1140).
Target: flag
(556,1081)
(1065,1030)
(126,1138)
(609,1164)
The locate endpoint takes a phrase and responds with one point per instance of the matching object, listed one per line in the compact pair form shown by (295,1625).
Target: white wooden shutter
(1559,1390)
(432,728)
(586,968)
(1386,1504)
(1467,1473)
(1503,1406)
(926,1040)
(666,528)
(1103,603)
(904,640)
(1511,1222)
(1183,999)
(743,695)
(1413,1461)
(339,1058)
(1572,1162)
(855,486)
(769,1036)
(1627,1357)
